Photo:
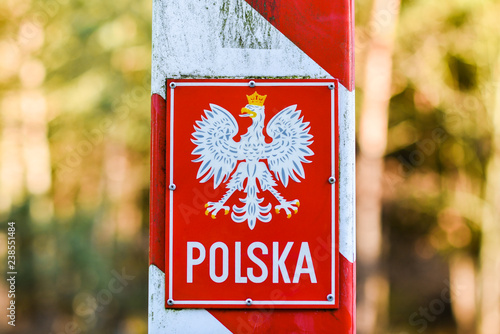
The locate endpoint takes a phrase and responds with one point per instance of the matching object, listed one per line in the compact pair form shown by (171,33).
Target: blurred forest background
(74,164)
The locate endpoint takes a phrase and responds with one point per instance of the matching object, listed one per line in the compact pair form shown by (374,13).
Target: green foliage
(88,64)
(445,75)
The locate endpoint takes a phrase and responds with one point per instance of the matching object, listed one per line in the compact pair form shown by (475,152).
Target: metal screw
(170,302)
(331,86)
(251,83)
(329,297)
(248,302)
(332,180)
(172,187)
(173,85)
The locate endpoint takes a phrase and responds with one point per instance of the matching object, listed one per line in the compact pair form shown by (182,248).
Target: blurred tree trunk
(373,288)
(489,315)
(463,292)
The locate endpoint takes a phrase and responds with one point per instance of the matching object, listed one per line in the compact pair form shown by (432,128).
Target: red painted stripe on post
(324,30)
(157,183)
(339,321)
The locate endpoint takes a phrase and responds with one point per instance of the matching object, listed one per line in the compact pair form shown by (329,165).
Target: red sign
(252,199)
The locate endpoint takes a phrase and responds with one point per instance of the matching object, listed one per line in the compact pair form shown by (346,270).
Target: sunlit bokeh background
(74,164)
(74,168)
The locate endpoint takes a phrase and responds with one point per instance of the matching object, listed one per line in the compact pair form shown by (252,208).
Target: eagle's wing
(213,137)
(291,138)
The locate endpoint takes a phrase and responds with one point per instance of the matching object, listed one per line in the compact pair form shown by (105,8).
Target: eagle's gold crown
(256,99)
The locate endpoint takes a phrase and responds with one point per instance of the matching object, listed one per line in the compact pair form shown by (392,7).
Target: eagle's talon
(289,216)
(297,204)
(288,206)
(215,207)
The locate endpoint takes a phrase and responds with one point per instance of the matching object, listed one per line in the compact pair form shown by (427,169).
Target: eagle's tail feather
(251,210)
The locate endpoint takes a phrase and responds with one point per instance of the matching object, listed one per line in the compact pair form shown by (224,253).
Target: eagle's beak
(247,113)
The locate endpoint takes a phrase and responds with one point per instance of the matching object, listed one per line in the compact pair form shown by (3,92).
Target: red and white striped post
(230,249)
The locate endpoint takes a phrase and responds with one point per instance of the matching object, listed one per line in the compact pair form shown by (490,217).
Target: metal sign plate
(252,198)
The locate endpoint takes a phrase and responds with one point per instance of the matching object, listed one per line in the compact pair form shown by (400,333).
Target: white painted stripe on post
(347,185)
(220,38)
(187,321)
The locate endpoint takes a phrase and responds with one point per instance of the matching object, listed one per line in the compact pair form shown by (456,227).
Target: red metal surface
(157,184)
(262,321)
(323,29)
(312,223)
(339,321)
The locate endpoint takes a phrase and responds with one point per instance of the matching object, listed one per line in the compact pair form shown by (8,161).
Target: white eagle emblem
(219,154)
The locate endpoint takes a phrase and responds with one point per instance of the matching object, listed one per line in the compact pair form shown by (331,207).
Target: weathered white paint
(347,185)
(187,321)
(221,38)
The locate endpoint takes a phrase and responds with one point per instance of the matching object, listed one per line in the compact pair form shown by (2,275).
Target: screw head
(172,187)
(170,302)
(248,302)
(251,84)
(329,297)
(173,85)
(331,86)
(332,180)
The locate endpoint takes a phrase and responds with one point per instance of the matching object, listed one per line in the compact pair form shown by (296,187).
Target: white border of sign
(334,93)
